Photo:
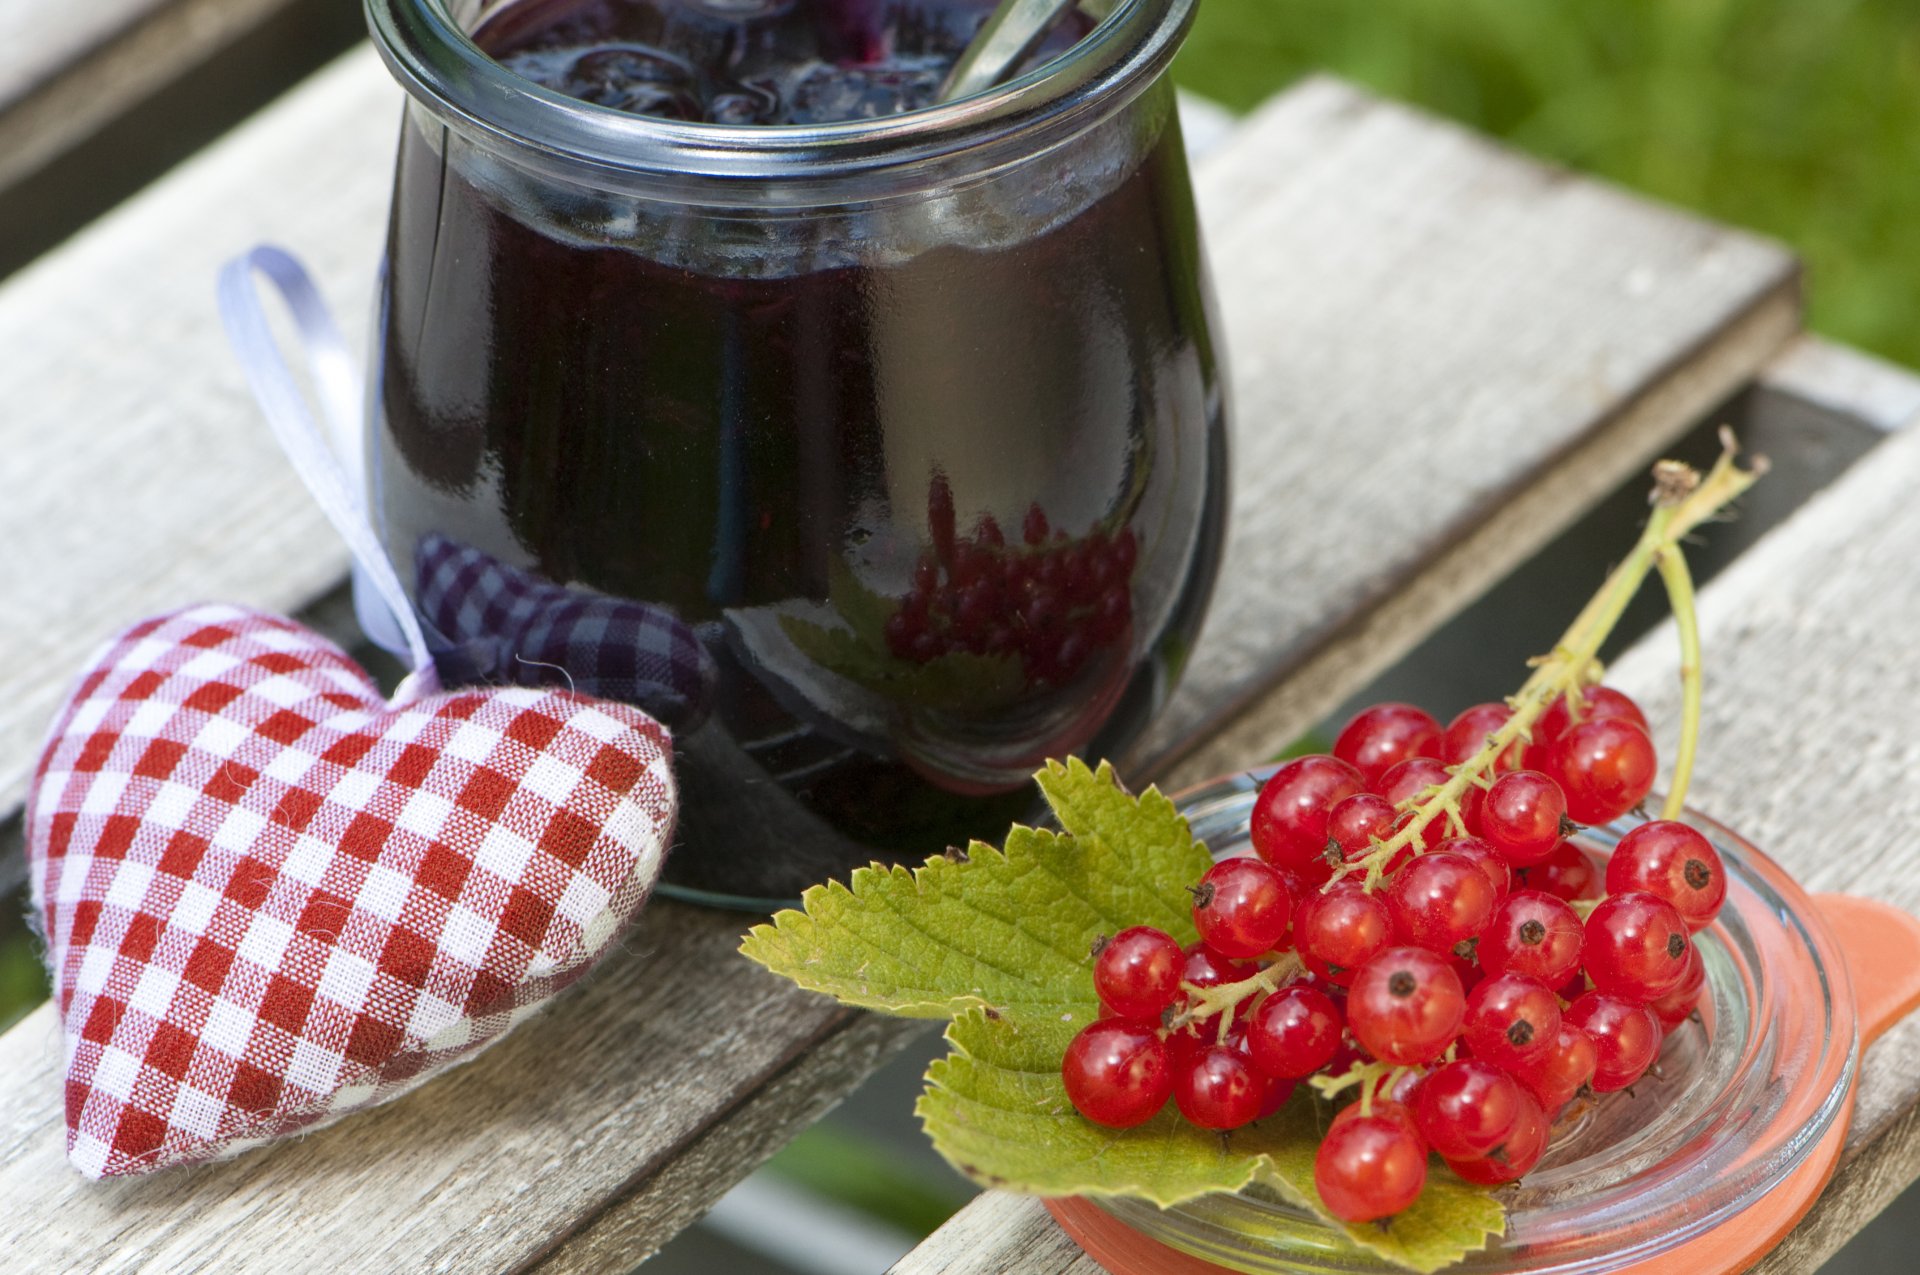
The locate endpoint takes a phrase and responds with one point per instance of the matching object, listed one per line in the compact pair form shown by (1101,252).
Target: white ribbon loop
(336,383)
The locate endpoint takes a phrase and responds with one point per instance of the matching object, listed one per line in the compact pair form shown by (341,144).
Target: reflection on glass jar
(883,458)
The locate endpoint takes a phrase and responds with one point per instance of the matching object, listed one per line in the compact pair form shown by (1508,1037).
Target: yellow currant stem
(1205,1002)
(1583,908)
(1682,500)
(1679,582)
(1362,1074)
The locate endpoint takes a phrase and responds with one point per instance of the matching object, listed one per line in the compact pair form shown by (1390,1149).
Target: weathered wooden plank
(621,1113)
(998,1232)
(1810,735)
(1841,381)
(66,69)
(1515,338)
(135,475)
(1809,739)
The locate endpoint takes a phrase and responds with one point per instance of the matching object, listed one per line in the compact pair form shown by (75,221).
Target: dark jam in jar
(880,504)
(751,62)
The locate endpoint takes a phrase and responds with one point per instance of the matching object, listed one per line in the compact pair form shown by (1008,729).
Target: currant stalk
(1376,1079)
(1205,1002)
(1679,583)
(1682,499)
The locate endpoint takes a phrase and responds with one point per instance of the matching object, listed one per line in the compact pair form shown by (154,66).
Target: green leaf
(1007,929)
(997,1109)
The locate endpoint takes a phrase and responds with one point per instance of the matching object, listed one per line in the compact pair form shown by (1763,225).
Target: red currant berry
(1674,862)
(1241,907)
(1514,1158)
(1555,1077)
(1356,823)
(1205,967)
(1466,969)
(1406,1006)
(1410,782)
(1289,822)
(1596,702)
(1675,1007)
(1439,900)
(1219,1088)
(1136,973)
(1398,1112)
(1568,873)
(1636,947)
(1117,1073)
(1534,934)
(1626,1038)
(1278,1091)
(1381,737)
(1484,857)
(1340,930)
(1369,1167)
(1294,1032)
(1185,1046)
(1467,734)
(1521,816)
(1467,1108)
(1577,986)
(1606,768)
(1511,1018)
(1406,1090)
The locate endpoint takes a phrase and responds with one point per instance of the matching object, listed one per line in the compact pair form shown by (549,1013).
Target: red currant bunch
(1415,920)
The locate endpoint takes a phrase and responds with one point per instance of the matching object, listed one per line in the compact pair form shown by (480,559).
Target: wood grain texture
(1809,742)
(1845,382)
(998,1233)
(67,69)
(1517,340)
(40,38)
(135,472)
(581,1142)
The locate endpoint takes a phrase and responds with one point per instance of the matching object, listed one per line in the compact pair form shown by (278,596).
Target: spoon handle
(1009,34)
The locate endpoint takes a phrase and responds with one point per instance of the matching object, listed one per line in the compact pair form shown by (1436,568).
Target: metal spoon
(1010,34)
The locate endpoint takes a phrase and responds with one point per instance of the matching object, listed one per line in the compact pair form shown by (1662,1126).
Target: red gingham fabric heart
(270,899)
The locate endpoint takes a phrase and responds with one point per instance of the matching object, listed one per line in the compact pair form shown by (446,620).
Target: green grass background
(1799,118)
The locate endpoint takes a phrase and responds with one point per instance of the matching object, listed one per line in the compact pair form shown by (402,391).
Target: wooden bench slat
(1809,735)
(1810,730)
(623,1112)
(995,1233)
(139,474)
(1844,382)
(1519,341)
(68,69)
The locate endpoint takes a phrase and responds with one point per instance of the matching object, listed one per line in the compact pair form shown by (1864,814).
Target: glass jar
(882,459)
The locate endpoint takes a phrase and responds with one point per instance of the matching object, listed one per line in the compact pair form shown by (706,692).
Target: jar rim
(438,63)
